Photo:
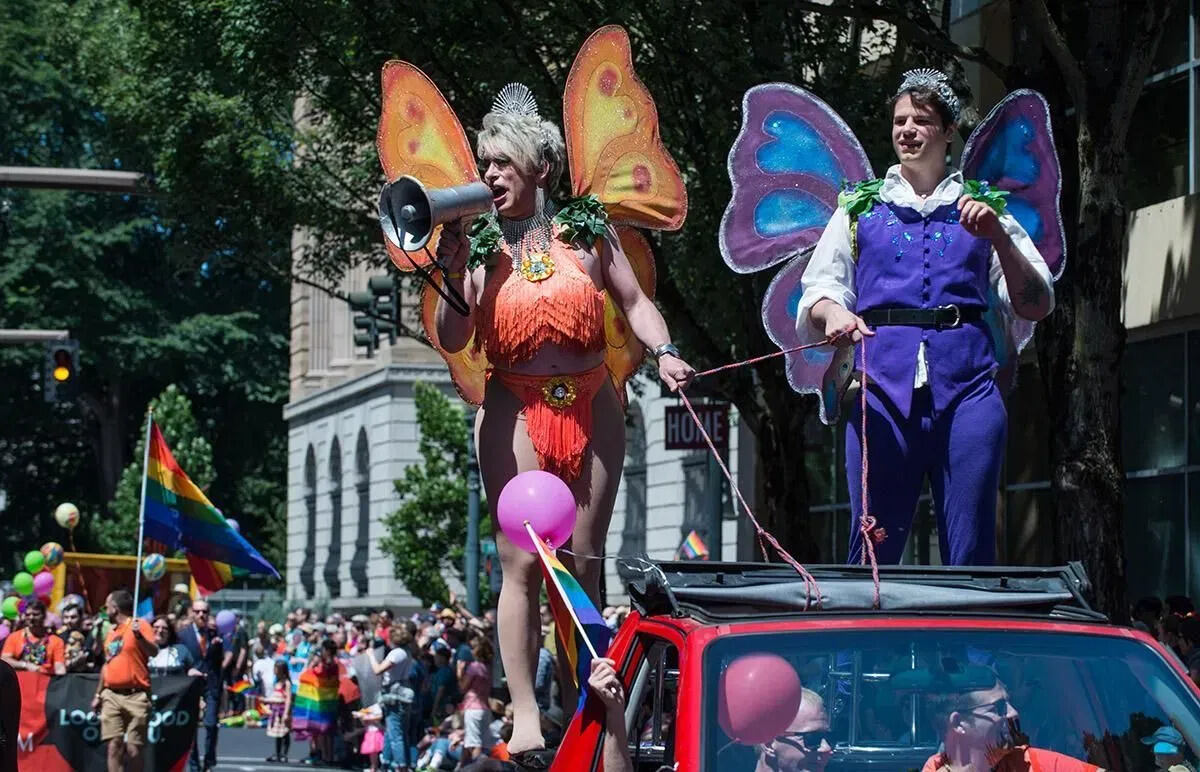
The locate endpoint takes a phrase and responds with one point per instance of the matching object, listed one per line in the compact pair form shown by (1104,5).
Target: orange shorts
(558,415)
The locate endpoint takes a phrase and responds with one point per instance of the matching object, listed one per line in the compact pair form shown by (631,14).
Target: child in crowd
(279,699)
(372,742)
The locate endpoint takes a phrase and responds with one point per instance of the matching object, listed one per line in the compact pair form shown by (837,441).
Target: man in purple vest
(910,271)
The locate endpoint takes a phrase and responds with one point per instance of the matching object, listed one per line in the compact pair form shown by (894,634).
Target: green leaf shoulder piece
(981,190)
(583,219)
(860,198)
(485,237)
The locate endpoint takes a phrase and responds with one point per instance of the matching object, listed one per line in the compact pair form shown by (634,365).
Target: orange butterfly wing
(468,367)
(625,352)
(420,135)
(613,144)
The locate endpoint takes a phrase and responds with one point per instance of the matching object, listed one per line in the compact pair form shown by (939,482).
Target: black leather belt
(942,317)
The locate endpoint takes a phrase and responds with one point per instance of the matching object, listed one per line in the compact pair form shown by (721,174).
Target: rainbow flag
(566,595)
(315,708)
(179,515)
(210,575)
(693,548)
(241,687)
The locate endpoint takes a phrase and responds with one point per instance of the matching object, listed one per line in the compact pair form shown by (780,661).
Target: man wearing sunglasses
(981,731)
(200,636)
(805,746)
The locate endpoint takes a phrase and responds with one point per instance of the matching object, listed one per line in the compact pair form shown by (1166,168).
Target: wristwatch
(667,348)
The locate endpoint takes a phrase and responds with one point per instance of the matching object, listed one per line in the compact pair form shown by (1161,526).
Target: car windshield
(924,699)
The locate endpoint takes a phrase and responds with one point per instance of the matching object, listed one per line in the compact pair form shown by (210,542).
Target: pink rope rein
(866,521)
(810,584)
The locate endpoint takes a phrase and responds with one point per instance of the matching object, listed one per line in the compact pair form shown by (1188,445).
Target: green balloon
(23,583)
(10,607)
(34,561)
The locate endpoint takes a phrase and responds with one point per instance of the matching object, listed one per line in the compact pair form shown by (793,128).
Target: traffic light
(60,371)
(376,315)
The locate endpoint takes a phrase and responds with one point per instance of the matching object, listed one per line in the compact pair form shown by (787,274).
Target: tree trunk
(1081,361)
(108,438)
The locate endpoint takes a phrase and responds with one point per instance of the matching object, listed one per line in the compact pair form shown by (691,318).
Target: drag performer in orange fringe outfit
(559,298)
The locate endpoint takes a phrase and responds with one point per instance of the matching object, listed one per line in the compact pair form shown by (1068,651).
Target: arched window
(308,567)
(333,563)
(633,535)
(362,541)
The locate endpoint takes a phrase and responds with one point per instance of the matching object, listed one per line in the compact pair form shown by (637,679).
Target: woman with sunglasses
(173,658)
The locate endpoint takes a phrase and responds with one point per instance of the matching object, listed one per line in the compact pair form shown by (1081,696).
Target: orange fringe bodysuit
(543,302)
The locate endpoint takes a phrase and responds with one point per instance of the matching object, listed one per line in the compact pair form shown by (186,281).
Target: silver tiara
(516,99)
(937,82)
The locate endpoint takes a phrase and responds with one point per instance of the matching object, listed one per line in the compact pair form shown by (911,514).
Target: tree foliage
(150,302)
(173,414)
(426,536)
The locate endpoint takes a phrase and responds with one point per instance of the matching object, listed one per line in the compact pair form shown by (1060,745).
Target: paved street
(246,750)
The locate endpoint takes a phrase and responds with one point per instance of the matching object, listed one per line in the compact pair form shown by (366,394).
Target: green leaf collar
(860,198)
(583,219)
(485,240)
(983,191)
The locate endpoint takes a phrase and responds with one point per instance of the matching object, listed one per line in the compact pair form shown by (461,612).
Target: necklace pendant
(537,266)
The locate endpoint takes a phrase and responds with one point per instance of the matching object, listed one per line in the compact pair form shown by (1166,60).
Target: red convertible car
(1077,689)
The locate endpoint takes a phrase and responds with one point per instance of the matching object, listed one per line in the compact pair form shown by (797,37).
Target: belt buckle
(957,317)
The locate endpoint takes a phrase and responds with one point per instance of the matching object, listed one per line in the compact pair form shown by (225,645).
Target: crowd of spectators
(414,693)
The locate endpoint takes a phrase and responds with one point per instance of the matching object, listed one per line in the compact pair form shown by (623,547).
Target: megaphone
(408,211)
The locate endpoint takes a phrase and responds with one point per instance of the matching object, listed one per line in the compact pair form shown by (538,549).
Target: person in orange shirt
(981,732)
(123,697)
(34,647)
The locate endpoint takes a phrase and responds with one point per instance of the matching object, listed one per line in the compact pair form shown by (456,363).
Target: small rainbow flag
(693,548)
(178,514)
(315,708)
(241,687)
(574,617)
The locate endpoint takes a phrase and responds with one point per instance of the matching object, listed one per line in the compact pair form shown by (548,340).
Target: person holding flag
(123,696)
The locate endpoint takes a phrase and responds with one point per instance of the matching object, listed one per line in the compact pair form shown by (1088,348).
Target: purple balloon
(226,622)
(542,499)
(234,524)
(4,630)
(43,583)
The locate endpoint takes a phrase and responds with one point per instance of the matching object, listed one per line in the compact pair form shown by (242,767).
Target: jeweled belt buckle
(560,391)
(957,317)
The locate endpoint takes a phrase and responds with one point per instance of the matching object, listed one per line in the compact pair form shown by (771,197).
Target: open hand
(980,220)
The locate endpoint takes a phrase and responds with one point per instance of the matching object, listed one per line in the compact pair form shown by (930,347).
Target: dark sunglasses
(999,707)
(805,741)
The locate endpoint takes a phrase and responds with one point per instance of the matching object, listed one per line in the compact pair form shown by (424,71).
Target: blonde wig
(527,140)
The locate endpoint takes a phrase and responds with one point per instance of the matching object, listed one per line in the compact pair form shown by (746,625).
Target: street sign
(683,434)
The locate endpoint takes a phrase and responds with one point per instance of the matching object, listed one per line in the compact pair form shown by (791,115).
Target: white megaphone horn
(408,211)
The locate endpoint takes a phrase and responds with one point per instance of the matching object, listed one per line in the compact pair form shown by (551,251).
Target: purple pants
(960,449)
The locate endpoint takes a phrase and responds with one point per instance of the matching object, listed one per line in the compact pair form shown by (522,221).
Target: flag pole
(137,568)
(561,593)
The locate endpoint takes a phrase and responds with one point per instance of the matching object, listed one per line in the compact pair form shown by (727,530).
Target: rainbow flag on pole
(241,687)
(178,514)
(693,548)
(575,616)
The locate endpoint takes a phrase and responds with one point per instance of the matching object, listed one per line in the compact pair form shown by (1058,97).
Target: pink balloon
(542,499)
(758,697)
(43,583)
(4,630)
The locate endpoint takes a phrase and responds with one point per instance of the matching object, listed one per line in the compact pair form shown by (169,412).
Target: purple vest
(909,261)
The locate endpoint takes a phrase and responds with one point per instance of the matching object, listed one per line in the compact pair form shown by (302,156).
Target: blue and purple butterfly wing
(1013,149)
(826,366)
(789,161)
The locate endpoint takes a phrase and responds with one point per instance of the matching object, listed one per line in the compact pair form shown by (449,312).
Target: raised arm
(644,317)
